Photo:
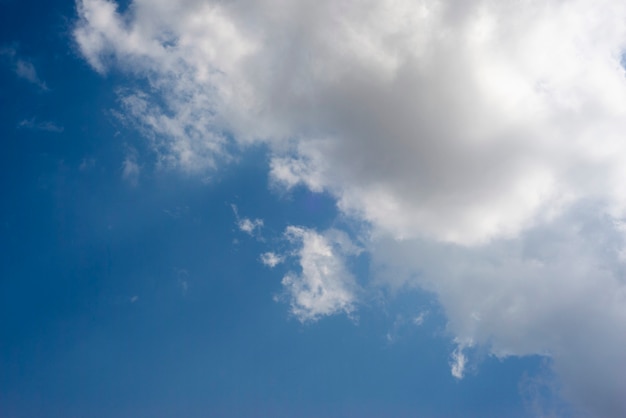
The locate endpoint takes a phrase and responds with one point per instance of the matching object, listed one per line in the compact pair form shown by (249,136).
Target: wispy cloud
(183,280)
(177,212)
(22,67)
(457,363)
(34,124)
(247,225)
(419,319)
(87,164)
(403,324)
(131,168)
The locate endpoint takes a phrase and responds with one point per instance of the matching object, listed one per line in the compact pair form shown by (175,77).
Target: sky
(346,208)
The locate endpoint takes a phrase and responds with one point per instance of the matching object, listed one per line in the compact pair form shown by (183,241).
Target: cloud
(480,142)
(403,325)
(87,164)
(249,226)
(26,70)
(557,290)
(419,319)
(130,168)
(34,124)
(475,104)
(23,68)
(324,285)
(183,280)
(271,259)
(457,363)
(538,394)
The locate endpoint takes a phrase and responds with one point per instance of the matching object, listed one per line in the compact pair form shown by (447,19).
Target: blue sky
(300,209)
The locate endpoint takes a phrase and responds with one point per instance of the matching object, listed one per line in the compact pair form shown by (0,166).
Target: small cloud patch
(35,125)
(131,169)
(23,68)
(271,259)
(419,319)
(247,225)
(324,286)
(458,363)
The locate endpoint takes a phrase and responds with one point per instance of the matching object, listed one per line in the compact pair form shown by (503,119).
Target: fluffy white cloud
(324,286)
(558,290)
(458,122)
(249,226)
(481,140)
(271,259)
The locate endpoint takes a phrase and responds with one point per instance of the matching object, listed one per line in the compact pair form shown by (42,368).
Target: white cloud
(324,285)
(249,226)
(481,141)
(427,119)
(271,259)
(458,363)
(558,290)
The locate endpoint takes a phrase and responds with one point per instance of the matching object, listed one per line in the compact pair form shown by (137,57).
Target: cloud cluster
(458,122)
(482,141)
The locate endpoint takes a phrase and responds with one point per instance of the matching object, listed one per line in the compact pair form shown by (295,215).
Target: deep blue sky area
(146,300)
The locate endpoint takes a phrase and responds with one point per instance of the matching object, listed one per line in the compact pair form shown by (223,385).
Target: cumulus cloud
(481,141)
(557,290)
(324,286)
(247,225)
(271,259)
(462,123)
